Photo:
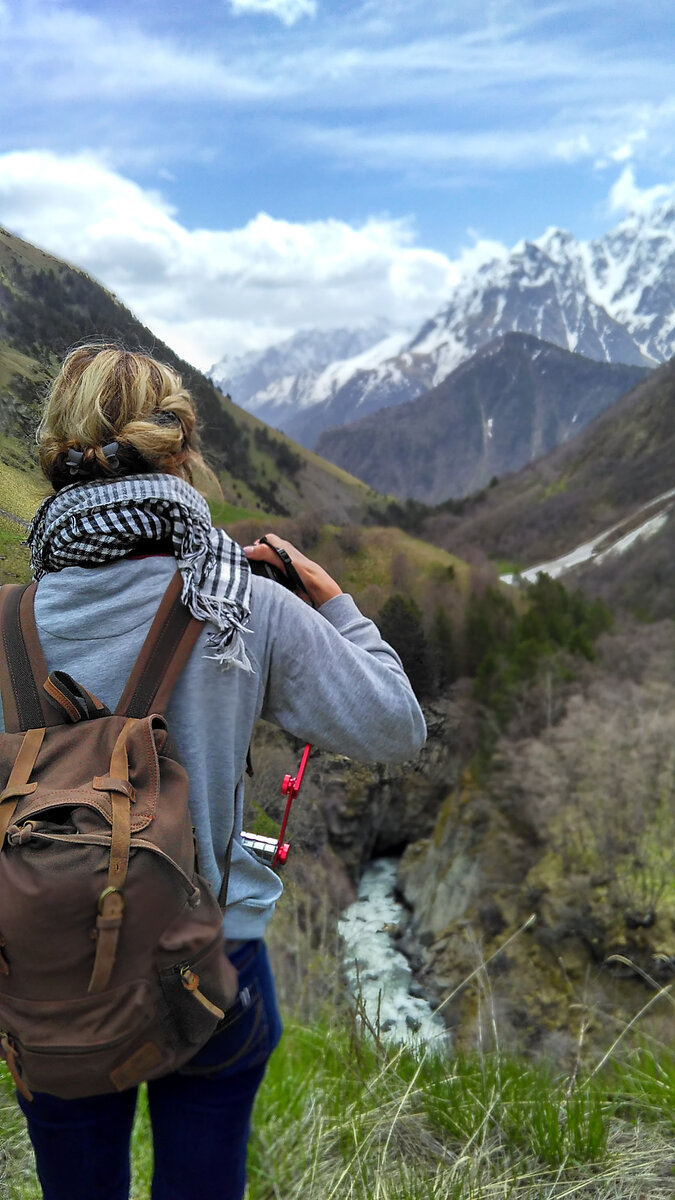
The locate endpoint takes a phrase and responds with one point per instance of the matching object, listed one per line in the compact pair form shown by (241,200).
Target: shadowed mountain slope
(515,400)
(619,471)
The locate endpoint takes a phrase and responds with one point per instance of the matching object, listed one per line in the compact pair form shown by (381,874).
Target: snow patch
(647,530)
(596,549)
(339,373)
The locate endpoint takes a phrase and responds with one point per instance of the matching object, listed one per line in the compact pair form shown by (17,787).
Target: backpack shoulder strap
(23,669)
(164,653)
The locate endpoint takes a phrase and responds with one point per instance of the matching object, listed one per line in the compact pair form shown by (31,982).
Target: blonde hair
(105,394)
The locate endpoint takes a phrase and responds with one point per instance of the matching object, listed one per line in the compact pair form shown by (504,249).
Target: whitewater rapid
(376,970)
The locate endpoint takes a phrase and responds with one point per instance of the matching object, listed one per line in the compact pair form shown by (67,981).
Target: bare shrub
(309,525)
(401,572)
(603,784)
(350,539)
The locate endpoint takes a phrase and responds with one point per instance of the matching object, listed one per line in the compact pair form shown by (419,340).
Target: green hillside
(47,306)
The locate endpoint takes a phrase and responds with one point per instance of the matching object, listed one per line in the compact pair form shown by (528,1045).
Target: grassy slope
(339,1119)
(22,487)
(366,571)
(373,565)
(315,486)
(47,306)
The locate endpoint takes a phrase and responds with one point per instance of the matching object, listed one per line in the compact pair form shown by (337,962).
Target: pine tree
(443,647)
(400,623)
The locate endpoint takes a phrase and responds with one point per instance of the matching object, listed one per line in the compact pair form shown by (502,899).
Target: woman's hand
(318,583)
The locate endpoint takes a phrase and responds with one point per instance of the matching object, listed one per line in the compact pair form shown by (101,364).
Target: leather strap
(17,784)
(71,698)
(111,901)
(121,840)
(9,697)
(23,670)
(22,665)
(165,651)
(63,699)
(108,924)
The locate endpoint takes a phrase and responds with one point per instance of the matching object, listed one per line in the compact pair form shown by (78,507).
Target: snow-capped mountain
(631,273)
(612,300)
(286,372)
(541,289)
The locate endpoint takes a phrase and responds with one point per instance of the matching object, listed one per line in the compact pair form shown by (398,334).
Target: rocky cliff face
(540,888)
(352,811)
(369,812)
(556,871)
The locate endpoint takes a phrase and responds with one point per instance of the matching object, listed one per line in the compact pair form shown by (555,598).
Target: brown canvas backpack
(112,962)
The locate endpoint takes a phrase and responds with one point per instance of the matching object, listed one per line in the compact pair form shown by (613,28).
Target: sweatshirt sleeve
(334,682)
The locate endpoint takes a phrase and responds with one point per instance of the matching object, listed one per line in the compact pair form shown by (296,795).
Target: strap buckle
(110,891)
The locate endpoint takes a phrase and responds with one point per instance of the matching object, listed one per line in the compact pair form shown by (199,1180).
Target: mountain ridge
(614,476)
(611,299)
(517,398)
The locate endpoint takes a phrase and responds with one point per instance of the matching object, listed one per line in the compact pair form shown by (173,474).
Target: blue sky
(237,169)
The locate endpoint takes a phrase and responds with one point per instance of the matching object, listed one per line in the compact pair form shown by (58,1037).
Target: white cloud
(572,149)
(496,148)
(624,148)
(414,70)
(626,196)
(288,11)
(76,56)
(208,292)
(622,153)
(481,251)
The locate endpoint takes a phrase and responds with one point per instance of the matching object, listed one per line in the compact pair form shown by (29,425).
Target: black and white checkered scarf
(96,523)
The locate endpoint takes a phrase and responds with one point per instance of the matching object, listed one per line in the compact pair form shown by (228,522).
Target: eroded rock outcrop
(372,811)
(520,936)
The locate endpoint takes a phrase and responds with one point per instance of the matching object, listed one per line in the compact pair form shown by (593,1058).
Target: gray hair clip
(74,460)
(110,452)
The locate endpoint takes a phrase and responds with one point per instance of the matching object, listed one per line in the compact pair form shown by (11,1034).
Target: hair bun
(165,416)
(104,394)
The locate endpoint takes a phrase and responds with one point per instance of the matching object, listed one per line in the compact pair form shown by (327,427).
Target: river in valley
(379,971)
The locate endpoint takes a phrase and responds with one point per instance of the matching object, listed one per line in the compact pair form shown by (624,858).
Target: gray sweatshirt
(326,677)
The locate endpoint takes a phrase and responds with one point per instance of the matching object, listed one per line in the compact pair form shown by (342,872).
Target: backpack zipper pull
(190,981)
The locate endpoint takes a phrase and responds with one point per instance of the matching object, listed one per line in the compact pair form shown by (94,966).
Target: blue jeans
(201,1115)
